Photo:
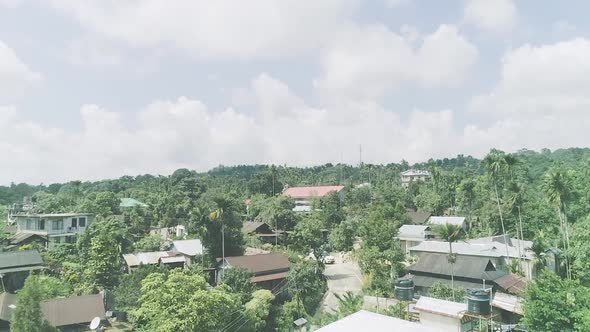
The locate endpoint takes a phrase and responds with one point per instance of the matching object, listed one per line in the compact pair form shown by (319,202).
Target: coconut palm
(450,233)
(539,249)
(498,164)
(557,187)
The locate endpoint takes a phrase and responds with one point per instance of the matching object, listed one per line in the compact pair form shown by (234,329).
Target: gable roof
(441,307)
(191,247)
(20,237)
(128,202)
(370,321)
(145,258)
(309,192)
(418,217)
(15,261)
(492,249)
(260,264)
(251,226)
(413,232)
(465,266)
(73,310)
(458,221)
(512,283)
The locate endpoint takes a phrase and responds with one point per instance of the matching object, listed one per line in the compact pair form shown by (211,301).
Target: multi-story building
(413,175)
(55,227)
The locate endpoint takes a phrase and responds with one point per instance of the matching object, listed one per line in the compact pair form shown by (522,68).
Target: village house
(191,249)
(443,315)
(411,235)
(268,270)
(304,196)
(418,217)
(129,203)
(413,175)
(261,230)
(71,314)
(492,248)
(469,272)
(55,227)
(162,258)
(15,267)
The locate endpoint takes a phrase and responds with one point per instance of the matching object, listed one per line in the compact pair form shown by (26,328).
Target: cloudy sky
(104,88)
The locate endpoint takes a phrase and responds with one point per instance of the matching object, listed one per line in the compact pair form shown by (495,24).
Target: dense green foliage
(538,196)
(28,316)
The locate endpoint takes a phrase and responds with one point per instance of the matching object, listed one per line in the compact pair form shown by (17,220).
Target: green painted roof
(130,202)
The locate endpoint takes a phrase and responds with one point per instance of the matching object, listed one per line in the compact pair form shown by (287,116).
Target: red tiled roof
(267,277)
(309,192)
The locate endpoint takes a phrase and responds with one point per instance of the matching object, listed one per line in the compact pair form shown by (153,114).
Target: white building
(447,220)
(413,175)
(411,235)
(55,227)
(304,196)
(370,321)
(442,315)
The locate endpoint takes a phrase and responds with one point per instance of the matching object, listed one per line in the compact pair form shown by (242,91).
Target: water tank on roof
(404,289)
(478,302)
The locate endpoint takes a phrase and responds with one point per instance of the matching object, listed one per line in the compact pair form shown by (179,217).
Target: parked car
(329,259)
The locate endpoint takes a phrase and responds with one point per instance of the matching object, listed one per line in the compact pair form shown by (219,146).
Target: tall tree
(450,233)
(557,186)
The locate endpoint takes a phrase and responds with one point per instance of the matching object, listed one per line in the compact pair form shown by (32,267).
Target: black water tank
(404,289)
(478,302)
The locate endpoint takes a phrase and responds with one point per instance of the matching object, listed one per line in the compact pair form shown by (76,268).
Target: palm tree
(557,187)
(497,164)
(539,249)
(467,190)
(515,201)
(450,233)
(348,303)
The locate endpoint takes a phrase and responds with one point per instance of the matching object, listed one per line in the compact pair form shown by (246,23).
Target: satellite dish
(95,323)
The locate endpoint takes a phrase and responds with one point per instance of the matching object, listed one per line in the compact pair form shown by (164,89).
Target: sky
(104,88)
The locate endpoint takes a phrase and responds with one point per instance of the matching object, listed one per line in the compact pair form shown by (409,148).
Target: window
(29,225)
(42,224)
(57,240)
(57,225)
(82,221)
(74,223)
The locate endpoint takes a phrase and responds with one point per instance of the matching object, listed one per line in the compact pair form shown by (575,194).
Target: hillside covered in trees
(538,196)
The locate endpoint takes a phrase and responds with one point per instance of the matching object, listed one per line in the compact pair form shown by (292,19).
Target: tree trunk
(501,219)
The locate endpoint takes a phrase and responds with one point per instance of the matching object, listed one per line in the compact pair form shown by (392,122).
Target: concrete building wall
(440,323)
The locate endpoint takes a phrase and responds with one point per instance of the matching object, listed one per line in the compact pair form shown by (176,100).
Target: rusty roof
(260,264)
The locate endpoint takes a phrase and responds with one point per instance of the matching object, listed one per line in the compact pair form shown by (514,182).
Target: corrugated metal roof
(418,217)
(251,226)
(415,172)
(131,202)
(465,266)
(267,277)
(258,264)
(441,307)
(512,283)
(17,259)
(310,192)
(458,221)
(413,232)
(370,321)
(73,310)
(428,281)
(50,215)
(188,247)
(173,259)
(145,258)
(493,249)
(508,302)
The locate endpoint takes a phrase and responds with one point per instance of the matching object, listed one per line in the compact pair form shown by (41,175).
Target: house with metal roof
(469,272)
(70,314)
(369,321)
(191,249)
(15,267)
(128,202)
(411,235)
(499,252)
(268,270)
(165,258)
(447,220)
(418,217)
(304,196)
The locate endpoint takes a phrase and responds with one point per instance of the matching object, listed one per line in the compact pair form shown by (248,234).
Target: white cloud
(15,76)
(371,61)
(541,100)
(215,29)
(491,15)
(167,135)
